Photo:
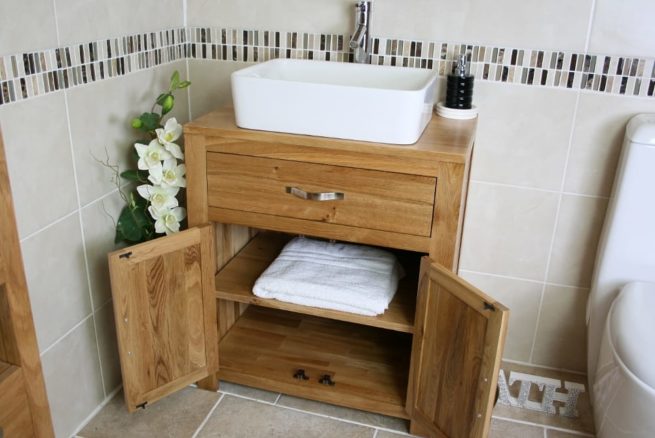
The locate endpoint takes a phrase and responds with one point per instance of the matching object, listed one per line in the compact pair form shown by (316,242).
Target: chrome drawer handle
(315,196)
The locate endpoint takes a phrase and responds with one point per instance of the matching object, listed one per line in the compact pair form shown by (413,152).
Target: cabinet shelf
(235,282)
(369,366)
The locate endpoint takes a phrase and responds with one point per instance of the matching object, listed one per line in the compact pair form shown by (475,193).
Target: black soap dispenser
(459,91)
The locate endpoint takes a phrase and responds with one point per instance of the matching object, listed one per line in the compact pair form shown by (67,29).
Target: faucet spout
(359,42)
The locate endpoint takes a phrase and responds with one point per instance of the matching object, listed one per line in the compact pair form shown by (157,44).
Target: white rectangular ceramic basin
(332,99)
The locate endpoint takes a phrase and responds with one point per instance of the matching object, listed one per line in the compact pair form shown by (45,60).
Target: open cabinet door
(165,310)
(456,352)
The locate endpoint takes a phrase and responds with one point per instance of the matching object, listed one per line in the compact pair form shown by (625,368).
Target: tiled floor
(242,412)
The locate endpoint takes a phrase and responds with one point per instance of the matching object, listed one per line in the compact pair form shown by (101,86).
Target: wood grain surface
(456,353)
(235,282)
(369,366)
(165,313)
(18,344)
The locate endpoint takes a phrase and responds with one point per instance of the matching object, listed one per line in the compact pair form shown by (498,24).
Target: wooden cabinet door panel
(456,353)
(15,418)
(165,311)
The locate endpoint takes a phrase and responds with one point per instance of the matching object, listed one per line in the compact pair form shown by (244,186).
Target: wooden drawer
(15,419)
(376,200)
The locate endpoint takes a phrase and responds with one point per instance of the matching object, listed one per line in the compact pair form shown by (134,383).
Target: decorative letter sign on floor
(568,395)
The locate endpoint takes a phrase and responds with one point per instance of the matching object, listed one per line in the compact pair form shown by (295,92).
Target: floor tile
(176,416)
(385,434)
(356,415)
(240,418)
(552,433)
(248,391)
(509,429)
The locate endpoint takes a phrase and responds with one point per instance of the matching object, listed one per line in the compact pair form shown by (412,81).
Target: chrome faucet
(359,42)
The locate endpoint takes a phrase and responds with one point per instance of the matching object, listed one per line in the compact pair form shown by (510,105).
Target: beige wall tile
(507,230)
(108,347)
(597,138)
(623,28)
(578,229)
(317,16)
(523,134)
(522,298)
(39,159)
(211,84)
(275,422)
(72,377)
(27,25)
(56,278)
(100,116)
(559,24)
(561,333)
(98,219)
(89,20)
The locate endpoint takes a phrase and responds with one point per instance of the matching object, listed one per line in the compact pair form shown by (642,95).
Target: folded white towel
(339,276)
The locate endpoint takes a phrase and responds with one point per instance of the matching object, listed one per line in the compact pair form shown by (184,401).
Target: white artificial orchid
(167,220)
(159,197)
(169,175)
(151,155)
(167,136)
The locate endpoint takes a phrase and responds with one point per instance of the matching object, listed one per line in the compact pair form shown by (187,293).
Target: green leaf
(184,84)
(161,97)
(150,121)
(134,224)
(175,80)
(135,175)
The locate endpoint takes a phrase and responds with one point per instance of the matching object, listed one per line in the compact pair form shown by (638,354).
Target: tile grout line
(530,423)
(530,280)
(590,25)
(84,247)
(72,329)
(574,117)
(545,367)
(316,414)
(538,189)
(209,414)
(96,411)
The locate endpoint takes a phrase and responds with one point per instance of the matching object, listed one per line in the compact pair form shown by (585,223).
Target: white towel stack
(338,276)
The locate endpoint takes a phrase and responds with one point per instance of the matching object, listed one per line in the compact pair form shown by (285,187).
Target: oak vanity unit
(433,357)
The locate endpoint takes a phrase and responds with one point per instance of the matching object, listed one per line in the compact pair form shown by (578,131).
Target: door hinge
(488,306)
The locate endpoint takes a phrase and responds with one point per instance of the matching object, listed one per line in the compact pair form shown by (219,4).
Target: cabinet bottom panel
(366,368)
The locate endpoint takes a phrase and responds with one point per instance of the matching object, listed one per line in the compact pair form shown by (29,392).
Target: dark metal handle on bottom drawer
(326,379)
(300,375)
(315,196)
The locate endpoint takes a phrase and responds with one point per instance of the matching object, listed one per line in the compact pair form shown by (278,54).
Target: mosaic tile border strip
(578,71)
(32,74)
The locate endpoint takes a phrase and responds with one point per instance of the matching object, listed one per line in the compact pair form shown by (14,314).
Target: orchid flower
(151,155)
(167,220)
(159,197)
(166,137)
(169,175)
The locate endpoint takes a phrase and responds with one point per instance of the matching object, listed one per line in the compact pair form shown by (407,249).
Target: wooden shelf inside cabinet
(368,366)
(235,281)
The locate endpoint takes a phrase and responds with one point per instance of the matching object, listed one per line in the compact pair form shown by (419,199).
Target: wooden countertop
(443,139)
